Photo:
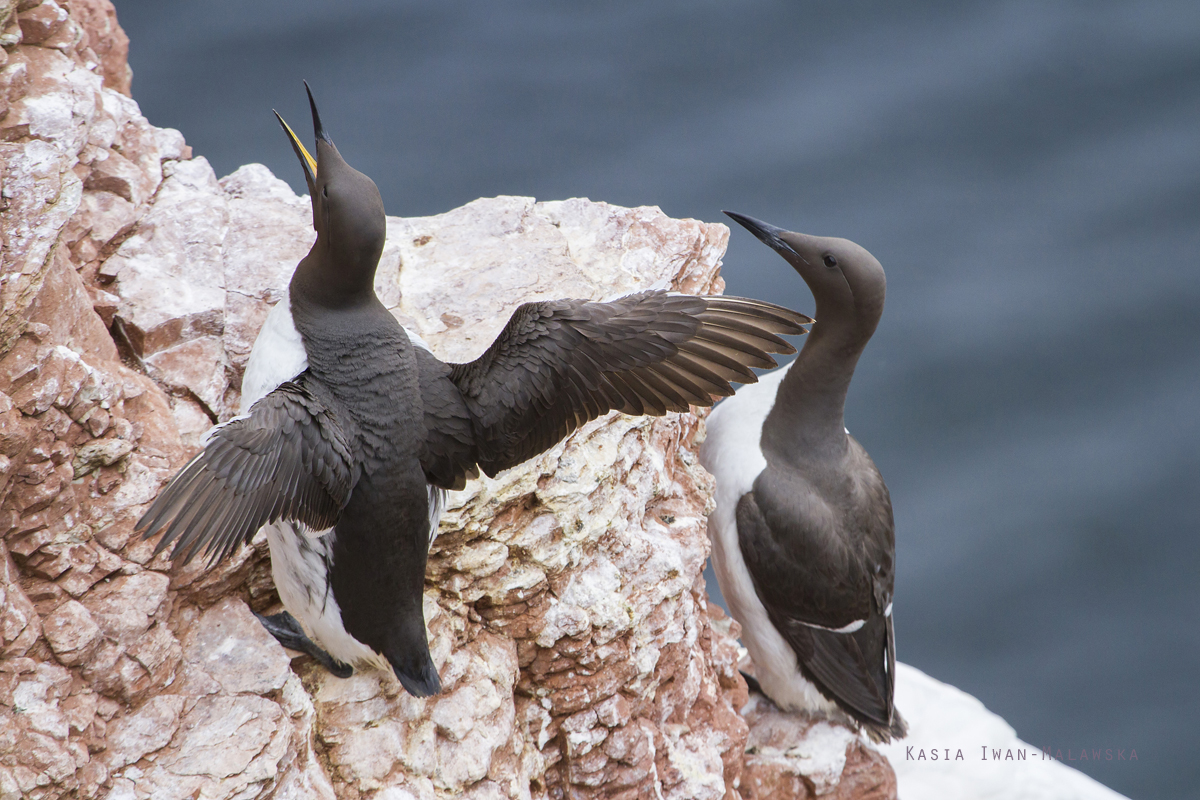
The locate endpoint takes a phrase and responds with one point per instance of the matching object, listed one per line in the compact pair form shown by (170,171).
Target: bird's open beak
(307,162)
(767,233)
(318,128)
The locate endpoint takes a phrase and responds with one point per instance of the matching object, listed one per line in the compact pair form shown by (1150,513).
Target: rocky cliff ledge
(565,601)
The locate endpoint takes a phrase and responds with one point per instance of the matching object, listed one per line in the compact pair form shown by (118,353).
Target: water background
(1029,175)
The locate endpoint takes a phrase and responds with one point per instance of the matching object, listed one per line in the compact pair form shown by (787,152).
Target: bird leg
(752,684)
(284,627)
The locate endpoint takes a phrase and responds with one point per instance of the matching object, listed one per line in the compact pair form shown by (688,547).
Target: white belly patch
(732,454)
(300,562)
(300,566)
(278,355)
(437,503)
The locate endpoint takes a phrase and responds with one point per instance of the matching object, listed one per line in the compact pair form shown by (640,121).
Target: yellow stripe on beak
(312,163)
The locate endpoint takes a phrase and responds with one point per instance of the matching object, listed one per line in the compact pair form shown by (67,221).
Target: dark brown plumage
(358,430)
(559,364)
(555,366)
(803,536)
(289,459)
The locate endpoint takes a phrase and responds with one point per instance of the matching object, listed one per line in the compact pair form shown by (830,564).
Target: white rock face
(946,719)
(197,277)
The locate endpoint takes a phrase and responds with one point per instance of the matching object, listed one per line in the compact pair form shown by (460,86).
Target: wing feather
(289,458)
(557,365)
(449,454)
(811,599)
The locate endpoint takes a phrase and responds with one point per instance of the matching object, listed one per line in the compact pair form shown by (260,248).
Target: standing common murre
(803,541)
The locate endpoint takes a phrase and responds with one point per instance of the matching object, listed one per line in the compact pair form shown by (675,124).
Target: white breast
(300,566)
(731,452)
(416,339)
(437,502)
(278,355)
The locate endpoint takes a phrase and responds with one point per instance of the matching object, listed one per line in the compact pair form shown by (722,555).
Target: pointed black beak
(307,162)
(318,128)
(768,234)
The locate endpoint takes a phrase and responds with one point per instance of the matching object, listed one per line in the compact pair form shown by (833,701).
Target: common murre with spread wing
(803,542)
(352,431)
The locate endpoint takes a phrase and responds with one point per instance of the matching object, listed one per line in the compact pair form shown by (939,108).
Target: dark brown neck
(807,422)
(340,283)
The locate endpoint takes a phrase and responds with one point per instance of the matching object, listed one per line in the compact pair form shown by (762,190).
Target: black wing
(288,459)
(856,668)
(448,454)
(557,365)
(816,600)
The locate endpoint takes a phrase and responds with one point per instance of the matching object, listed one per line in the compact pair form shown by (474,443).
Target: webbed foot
(752,684)
(287,630)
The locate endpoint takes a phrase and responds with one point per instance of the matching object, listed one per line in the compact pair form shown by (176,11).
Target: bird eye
(830,261)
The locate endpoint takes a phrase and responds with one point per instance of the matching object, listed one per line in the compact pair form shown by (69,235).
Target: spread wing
(287,459)
(448,454)
(559,364)
(836,618)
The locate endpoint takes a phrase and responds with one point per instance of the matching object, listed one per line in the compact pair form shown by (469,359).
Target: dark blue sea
(1027,172)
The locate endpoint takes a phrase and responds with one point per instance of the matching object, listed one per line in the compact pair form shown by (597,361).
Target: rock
(148,730)
(100,453)
(789,756)
(568,618)
(235,650)
(40,22)
(107,40)
(72,633)
(20,625)
(566,609)
(270,230)
(168,274)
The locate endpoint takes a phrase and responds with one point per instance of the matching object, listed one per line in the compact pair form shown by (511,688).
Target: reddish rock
(41,22)
(106,39)
(71,632)
(789,756)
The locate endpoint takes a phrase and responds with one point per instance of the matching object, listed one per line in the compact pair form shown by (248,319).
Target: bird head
(347,209)
(844,278)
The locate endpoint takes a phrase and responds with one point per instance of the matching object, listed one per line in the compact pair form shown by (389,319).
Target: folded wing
(559,364)
(858,667)
(835,617)
(287,459)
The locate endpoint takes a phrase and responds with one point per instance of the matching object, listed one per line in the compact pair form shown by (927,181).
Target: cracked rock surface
(566,609)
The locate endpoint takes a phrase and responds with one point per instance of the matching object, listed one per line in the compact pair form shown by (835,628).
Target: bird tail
(882,734)
(416,673)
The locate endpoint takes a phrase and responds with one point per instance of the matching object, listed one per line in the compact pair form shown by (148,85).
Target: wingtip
(899,726)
